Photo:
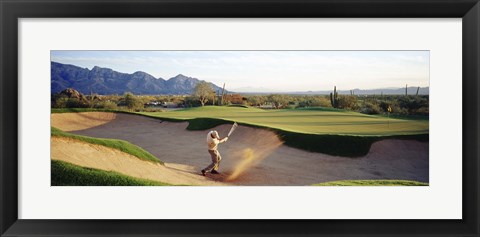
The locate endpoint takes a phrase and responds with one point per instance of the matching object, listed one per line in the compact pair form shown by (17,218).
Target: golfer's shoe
(204,172)
(214,172)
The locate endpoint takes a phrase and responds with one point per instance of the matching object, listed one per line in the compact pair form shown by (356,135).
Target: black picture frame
(11,11)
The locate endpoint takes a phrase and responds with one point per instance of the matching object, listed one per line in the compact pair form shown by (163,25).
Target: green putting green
(312,121)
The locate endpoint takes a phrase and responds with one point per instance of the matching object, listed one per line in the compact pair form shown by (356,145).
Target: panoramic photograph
(239,118)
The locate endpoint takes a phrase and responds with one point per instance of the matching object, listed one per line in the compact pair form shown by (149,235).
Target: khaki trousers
(216,158)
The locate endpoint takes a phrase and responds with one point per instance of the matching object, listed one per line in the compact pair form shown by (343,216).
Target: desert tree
(131,101)
(347,102)
(203,92)
(278,101)
(256,100)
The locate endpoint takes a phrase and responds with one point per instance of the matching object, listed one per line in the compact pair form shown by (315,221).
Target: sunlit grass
(67,174)
(313,121)
(121,145)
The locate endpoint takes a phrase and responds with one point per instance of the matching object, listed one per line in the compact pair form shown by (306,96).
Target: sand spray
(260,145)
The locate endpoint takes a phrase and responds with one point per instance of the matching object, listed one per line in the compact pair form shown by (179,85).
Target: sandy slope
(105,158)
(254,156)
(80,121)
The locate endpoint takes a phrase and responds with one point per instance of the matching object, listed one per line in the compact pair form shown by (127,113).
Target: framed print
(253,118)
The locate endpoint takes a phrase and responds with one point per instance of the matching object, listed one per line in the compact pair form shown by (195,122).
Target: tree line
(204,95)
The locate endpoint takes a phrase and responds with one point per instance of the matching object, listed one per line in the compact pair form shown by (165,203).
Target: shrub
(105,105)
(384,106)
(76,103)
(191,101)
(370,108)
(314,101)
(256,100)
(399,110)
(131,102)
(347,102)
(60,102)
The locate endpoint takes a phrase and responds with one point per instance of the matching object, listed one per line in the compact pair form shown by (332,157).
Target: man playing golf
(212,141)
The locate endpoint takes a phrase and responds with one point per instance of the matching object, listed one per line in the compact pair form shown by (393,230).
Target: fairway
(314,120)
(252,156)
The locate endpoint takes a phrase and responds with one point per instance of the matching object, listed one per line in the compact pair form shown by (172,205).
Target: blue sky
(268,70)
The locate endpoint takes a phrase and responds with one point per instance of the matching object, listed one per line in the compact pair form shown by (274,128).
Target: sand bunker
(79,121)
(253,156)
(105,158)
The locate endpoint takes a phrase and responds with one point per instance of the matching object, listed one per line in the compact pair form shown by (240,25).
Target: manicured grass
(339,145)
(112,143)
(205,123)
(336,145)
(324,130)
(321,109)
(67,174)
(407,117)
(310,121)
(373,183)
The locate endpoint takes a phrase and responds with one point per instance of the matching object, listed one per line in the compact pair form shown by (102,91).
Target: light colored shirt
(213,142)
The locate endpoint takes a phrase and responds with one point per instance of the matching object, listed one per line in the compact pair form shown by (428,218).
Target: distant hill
(385,91)
(105,81)
(250,89)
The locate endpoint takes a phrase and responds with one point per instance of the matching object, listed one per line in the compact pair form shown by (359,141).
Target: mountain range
(385,91)
(105,81)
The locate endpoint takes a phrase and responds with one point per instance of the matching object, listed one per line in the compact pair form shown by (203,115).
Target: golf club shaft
(232,129)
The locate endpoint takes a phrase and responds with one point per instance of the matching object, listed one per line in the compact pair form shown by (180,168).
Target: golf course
(305,146)
(308,120)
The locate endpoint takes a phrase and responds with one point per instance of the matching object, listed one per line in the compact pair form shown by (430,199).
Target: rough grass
(373,183)
(112,143)
(67,174)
